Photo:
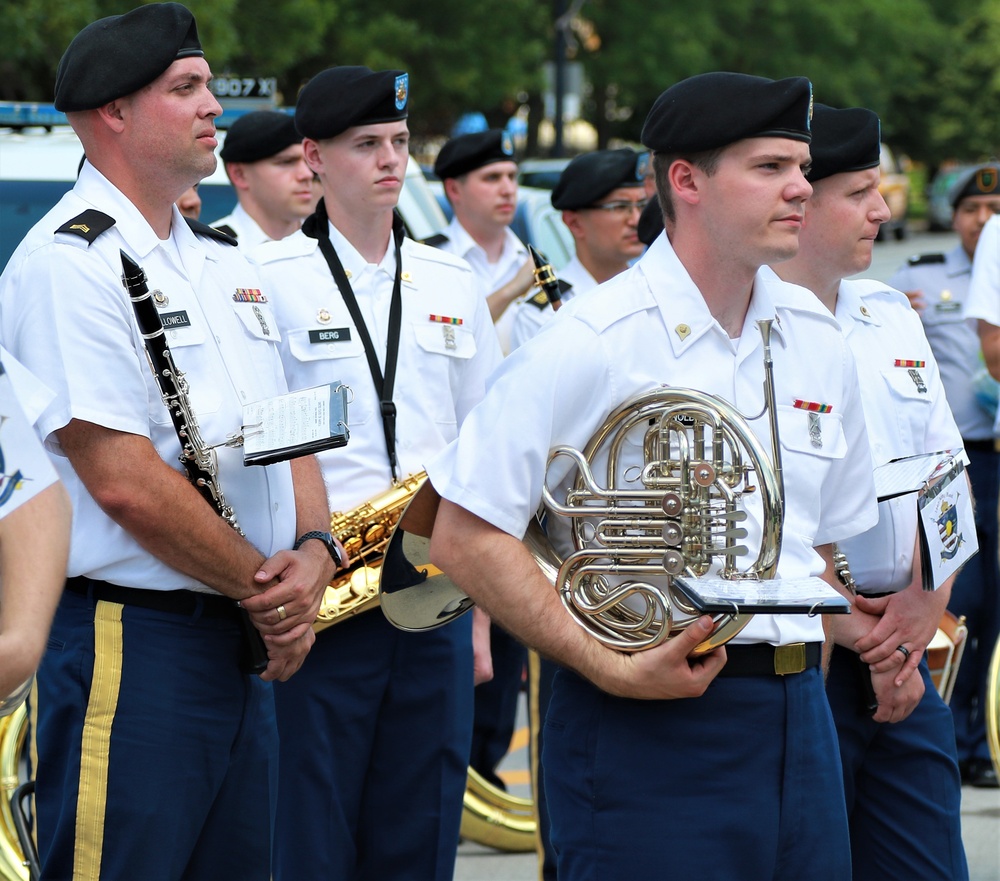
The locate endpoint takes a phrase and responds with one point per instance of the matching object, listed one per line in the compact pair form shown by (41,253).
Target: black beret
(983,180)
(340,98)
(118,55)
(259,135)
(650,221)
(713,110)
(843,140)
(591,176)
(468,152)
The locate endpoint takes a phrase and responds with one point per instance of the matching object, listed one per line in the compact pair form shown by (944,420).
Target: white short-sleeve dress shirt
(65,314)
(647,327)
(447,349)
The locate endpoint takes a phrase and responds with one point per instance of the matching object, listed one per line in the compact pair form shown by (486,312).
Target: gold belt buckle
(789,658)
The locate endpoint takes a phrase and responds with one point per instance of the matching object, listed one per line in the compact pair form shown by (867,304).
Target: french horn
(13,730)
(635,532)
(993,708)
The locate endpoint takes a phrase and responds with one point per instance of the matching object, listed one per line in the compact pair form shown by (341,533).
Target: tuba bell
(635,532)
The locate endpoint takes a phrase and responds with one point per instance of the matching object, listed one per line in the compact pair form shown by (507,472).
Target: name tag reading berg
(296,424)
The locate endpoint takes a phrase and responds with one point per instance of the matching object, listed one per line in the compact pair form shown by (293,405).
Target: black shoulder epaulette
(564,285)
(540,300)
(88,225)
(228,230)
(436,240)
(921,259)
(203,229)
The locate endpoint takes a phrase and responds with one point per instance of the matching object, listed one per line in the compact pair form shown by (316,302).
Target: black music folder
(297,424)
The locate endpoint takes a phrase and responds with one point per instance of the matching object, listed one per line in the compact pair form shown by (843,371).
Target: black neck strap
(317,227)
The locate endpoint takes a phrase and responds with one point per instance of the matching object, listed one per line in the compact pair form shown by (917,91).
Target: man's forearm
(34,546)
(312,508)
(160,508)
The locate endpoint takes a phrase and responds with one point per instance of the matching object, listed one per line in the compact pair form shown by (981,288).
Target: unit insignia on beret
(402,90)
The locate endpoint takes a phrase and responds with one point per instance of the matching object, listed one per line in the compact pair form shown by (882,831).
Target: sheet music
(295,424)
(912,473)
(787,595)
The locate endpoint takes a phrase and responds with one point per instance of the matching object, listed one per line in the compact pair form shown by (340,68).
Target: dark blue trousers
(495,709)
(976,594)
(375,731)
(741,783)
(541,672)
(156,756)
(901,782)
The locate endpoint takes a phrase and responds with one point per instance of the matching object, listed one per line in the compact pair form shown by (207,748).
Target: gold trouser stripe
(534,669)
(96,744)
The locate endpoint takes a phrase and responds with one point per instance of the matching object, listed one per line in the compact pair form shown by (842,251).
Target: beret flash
(468,152)
(340,98)
(979,181)
(591,176)
(118,55)
(843,140)
(259,135)
(713,110)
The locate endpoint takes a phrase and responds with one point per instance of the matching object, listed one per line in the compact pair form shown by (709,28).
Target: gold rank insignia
(405,276)
(323,317)
(160,298)
(945,294)
(865,312)
(81,226)
(682,330)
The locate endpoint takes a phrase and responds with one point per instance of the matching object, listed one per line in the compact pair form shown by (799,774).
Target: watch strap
(324,537)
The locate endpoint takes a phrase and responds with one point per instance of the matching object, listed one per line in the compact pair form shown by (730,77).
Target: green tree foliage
(856,52)
(928,67)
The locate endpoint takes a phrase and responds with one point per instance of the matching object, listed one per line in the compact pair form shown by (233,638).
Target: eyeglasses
(623,208)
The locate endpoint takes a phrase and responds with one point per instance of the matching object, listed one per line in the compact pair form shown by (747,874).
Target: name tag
(172,320)
(331,335)
(948,307)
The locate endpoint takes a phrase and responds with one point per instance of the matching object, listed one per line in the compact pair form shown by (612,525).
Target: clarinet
(545,278)
(199,460)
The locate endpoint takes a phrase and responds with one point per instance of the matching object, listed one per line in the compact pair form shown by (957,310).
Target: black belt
(763,659)
(177,602)
(981,446)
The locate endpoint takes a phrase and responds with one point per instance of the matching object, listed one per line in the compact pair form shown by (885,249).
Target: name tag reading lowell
(173,320)
(330,335)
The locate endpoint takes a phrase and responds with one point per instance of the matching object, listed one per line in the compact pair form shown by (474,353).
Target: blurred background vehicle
(541,173)
(939,209)
(895,189)
(40,164)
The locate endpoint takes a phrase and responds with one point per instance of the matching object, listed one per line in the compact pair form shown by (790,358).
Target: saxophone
(364,532)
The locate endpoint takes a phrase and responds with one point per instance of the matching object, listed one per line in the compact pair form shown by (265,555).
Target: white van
(38,165)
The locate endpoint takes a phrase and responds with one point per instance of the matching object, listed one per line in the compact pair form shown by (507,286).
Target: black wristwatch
(324,537)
